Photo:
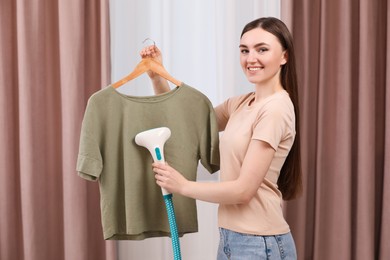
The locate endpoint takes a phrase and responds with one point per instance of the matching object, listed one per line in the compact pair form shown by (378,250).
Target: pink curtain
(53,56)
(343,52)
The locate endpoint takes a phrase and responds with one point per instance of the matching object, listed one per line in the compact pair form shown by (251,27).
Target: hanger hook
(154,43)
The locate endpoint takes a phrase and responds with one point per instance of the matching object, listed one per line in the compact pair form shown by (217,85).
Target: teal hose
(173,227)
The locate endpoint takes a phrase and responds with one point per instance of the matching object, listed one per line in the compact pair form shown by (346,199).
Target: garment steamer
(154,140)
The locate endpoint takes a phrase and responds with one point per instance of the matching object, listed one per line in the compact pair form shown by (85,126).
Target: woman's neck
(264,90)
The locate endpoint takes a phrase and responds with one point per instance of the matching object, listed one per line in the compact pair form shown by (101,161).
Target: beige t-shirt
(272,120)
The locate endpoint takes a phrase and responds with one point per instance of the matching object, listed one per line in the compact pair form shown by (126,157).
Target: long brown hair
(290,179)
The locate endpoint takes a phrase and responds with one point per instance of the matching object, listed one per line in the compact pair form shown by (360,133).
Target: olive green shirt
(132,205)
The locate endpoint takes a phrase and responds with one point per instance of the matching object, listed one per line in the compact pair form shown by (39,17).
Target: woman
(259,149)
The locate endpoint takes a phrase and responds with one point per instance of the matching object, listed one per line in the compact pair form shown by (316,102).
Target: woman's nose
(251,56)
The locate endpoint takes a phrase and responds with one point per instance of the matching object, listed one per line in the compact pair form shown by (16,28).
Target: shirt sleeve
(222,115)
(209,143)
(274,123)
(89,160)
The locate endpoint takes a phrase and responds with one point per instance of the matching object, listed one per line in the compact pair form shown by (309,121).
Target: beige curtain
(343,50)
(53,56)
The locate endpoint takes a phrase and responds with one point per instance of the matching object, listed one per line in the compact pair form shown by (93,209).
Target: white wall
(199,40)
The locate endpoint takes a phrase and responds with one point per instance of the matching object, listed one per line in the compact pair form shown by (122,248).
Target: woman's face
(261,56)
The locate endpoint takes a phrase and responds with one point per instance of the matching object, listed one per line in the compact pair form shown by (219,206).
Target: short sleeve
(275,122)
(222,115)
(89,160)
(209,143)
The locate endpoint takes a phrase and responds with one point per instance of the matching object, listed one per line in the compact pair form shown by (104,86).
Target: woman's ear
(285,58)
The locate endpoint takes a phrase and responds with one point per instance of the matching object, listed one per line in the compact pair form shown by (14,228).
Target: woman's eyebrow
(256,45)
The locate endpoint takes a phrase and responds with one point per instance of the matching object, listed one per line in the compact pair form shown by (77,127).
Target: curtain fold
(54,55)
(384,248)
(343,65)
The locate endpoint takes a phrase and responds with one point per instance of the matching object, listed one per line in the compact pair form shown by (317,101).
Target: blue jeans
(239,246)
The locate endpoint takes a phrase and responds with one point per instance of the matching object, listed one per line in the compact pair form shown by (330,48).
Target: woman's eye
(243,51)
(262,50)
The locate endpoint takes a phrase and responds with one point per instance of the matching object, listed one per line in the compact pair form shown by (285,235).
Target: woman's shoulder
(237,101)
(280,100)
(279,106)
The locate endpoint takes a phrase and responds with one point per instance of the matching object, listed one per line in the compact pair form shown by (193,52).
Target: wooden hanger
(144,65)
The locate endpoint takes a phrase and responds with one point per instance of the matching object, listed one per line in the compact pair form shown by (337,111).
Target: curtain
(343,52)
(53,56)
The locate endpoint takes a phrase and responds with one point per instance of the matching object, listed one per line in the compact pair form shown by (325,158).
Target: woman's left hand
(168,178)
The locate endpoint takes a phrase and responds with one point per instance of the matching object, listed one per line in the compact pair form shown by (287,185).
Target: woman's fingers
(149,52)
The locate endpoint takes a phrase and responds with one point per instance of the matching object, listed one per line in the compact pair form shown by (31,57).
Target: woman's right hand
(153,52)
(160,84)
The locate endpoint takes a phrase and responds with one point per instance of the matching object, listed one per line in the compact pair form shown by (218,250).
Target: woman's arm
(255,166)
